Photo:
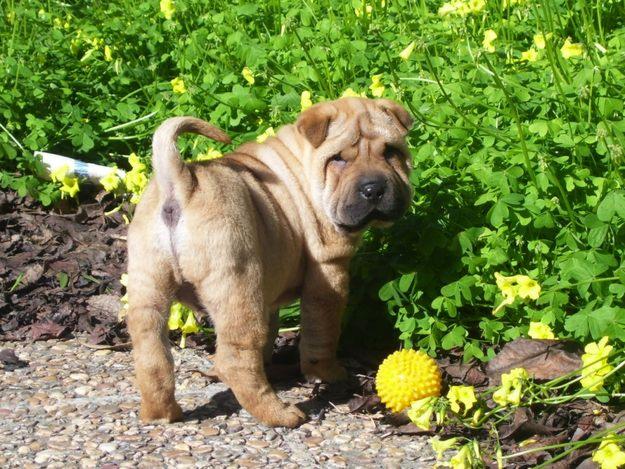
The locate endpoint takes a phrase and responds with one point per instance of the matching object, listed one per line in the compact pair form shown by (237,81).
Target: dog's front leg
(324,298)
(242,328)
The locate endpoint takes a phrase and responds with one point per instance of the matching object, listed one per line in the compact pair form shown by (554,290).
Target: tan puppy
(241,235)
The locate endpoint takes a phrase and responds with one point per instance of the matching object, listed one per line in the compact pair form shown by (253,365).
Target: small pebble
(108,447)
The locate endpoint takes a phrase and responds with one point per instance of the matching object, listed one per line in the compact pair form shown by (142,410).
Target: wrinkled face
(359,160)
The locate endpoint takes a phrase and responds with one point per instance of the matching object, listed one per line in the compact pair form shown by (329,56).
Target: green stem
(567,204)
(396,82)
(457,109)
(517,120)
(597,438)
(314,65)
(131,123)
(585,282)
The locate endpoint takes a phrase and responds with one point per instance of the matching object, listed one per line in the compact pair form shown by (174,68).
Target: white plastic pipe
(75,167)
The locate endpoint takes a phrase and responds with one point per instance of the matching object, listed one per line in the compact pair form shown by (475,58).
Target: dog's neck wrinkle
(323,239)
(308,212)
(320,231)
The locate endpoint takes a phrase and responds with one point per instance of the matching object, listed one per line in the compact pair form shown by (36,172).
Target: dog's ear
(314,122)
(398,113)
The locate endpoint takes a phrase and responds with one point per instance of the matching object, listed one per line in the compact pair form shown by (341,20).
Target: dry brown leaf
(47,330)
(523,424)
(543,359)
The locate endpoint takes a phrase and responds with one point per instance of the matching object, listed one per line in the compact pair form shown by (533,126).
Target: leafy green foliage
(518,170)
(518,163)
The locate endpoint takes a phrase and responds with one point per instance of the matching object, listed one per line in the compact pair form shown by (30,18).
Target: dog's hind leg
(150,292)
(242,328)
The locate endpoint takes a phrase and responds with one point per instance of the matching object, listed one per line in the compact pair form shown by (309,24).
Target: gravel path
(73,406)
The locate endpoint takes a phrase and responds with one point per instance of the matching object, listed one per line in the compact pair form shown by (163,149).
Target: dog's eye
(390,151)
(337,157)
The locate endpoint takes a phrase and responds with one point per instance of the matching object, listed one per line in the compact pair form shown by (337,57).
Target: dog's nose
(372,190)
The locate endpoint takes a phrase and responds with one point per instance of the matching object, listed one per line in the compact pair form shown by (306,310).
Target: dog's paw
(290,417)
(280,415)
(166,414)
(329,371)
(293,417)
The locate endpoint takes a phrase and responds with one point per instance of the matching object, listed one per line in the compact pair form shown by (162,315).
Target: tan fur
(240,236)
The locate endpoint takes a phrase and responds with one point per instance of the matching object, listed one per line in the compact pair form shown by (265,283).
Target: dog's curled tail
(172,175)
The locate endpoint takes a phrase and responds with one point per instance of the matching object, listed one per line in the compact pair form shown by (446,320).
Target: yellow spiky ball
(406,376)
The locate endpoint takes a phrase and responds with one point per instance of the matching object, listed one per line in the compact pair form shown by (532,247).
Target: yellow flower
(168,9)
(570,49)
(489,37)
(476,417)
(175,317)
(265,135)
(407,52)
(377,88)
(527,442)
(135,162)
(108,55)
(476,5)
(305,101)
(530,55)
(609,455)
(59,23)
(540,40)
(595,364)
(520,286)
(177,85)
(461,8)
(69,186)
(248,75)
(509,3)
(111,181)
(528,288)
(181,317)
(440,446)
(368,9)
(135,180)
(59,173)
(420,412)
(539,330)
(446,9)
(511,387)
(463,458)
(464,395)
(506,285)
(190,325)
(209,154)
(349,93)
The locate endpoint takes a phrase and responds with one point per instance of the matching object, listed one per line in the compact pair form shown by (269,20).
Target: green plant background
(517,165)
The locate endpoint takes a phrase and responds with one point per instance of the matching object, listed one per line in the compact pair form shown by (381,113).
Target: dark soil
(60,270)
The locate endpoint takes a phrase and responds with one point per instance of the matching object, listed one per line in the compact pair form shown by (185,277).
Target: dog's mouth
(370,203)
(373,216)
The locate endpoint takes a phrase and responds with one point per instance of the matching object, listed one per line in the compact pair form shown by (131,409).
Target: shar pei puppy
(239,236)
